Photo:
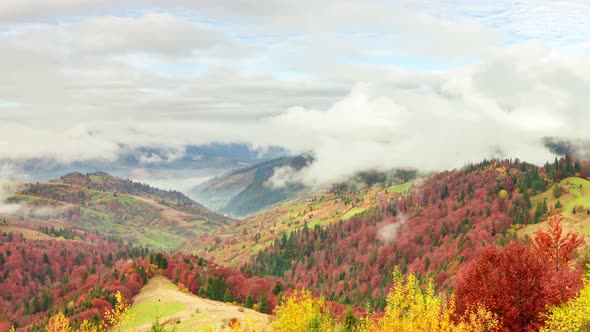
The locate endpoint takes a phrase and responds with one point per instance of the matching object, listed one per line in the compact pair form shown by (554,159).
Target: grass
(260,246)
(97,178)
(352,212)
(580,189)
(400,188)
(321,222)
(17,198)
(123,199)
(148,311)
(161,300)
(577,194)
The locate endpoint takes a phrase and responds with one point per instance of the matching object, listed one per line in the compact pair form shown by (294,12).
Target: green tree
(227,296)
(556,191)
(249,301)
(263,303)
(278,288)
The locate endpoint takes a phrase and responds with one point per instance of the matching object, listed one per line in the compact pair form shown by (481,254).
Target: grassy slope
(575,192)
(142,220)
(161,298)
(232,246)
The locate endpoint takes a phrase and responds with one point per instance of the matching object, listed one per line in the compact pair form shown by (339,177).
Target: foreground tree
(573,315)
(302,312)
(554,246)
(412,308)
(516,283)
(117,317)
(58,323)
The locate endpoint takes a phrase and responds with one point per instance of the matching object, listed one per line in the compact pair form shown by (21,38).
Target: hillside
(245,190)
(434,230)
(56,270)
(571,200)
(161,300)
(310,207)
(117,208)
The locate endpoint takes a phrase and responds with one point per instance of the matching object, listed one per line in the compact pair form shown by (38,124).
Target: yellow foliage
(411,308)
(503,194)
(478,319)
(302,312)
(58,323)
(248,325)
(117,317)
(573,315)
(88,326)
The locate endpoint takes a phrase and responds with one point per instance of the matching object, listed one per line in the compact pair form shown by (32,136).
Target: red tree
(515,283)
(556,248)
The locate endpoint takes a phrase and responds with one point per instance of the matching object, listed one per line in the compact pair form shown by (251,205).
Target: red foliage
(515,283)
(553,246)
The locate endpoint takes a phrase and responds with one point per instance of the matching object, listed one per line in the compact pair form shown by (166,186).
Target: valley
(189,268)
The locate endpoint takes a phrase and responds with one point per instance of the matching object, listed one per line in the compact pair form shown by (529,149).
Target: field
(161,300)
(575,193)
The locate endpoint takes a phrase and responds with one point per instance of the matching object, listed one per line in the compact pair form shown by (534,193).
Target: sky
(430,84)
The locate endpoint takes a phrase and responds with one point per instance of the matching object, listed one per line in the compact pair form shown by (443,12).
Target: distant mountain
(246,190)
(120,209)
(154,163)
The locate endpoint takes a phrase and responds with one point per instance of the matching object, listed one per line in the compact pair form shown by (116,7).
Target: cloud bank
(360,85)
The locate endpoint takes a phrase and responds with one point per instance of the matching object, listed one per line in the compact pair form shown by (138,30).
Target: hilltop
(117,208)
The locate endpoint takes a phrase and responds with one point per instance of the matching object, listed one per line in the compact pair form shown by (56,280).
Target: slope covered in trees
(233,246)
(80,278)
(433,231)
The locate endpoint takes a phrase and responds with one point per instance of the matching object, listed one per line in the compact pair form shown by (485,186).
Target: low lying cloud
(503,107)
(283,176)
(42,212)
(8,186)
(389,232)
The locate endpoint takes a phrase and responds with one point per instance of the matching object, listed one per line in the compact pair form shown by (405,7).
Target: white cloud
(360,84)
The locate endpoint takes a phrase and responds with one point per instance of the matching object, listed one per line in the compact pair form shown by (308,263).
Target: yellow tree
(411,308)
(302,312)
(574,315)
(88,326)
(58,323)
(119,315)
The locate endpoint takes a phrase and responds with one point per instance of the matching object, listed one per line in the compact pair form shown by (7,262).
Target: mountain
(113,207)
(246,190)
(309,207)
(434,230)
(64,249)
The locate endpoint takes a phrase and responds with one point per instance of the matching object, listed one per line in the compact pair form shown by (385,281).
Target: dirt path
(160,297)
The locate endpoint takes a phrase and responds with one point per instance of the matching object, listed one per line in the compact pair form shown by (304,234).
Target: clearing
(161,300)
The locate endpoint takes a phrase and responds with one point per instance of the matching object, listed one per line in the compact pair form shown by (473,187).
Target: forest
(446,253)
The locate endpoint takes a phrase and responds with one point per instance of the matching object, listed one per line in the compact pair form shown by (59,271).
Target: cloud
(361,85)
(388,232)
(502,107)
(8,186)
